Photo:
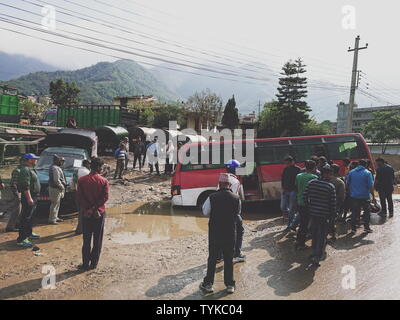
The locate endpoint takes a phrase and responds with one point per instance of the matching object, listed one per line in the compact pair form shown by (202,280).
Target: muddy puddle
(137,223)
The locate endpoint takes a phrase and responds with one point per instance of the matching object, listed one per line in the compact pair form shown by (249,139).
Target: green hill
(98,83)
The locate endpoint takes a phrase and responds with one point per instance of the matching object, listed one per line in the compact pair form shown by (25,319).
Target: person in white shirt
(154,151)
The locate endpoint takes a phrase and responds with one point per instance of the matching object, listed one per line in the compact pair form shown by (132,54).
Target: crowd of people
(91,190)
(313,200)
(140,149)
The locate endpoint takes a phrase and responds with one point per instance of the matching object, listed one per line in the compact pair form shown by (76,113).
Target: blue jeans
(288,205)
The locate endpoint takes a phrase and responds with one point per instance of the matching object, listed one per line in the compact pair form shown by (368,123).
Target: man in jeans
(320,200)
(302,180)
(384,184)
(29,186)
(361,185)
(222,207)
(288,198)
(57,186)
(92,197)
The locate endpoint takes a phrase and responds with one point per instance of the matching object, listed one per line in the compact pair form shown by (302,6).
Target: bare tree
(206,105)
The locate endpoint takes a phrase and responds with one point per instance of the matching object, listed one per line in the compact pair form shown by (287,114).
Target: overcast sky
(231,33)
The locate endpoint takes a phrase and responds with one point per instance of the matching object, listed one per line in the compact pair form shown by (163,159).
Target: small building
(134,101)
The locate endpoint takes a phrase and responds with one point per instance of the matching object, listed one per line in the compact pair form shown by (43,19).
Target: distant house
(134,101)
(248,121)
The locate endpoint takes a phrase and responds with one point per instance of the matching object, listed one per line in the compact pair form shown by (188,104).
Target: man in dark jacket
(138,149)
(320,200)
(384,184)
(223,208)
(289,194)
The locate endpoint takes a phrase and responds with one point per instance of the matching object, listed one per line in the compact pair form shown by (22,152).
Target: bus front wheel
(202,198)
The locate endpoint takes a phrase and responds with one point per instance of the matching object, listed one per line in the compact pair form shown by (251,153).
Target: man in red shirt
(92,197)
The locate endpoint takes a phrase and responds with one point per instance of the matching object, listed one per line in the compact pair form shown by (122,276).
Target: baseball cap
(28,156)
(233,164)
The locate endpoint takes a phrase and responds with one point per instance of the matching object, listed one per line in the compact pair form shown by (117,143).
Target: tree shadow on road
(289,270)
(23,288)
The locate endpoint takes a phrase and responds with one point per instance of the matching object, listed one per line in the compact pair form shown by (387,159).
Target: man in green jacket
(29,186)
(16,202)
(302,180)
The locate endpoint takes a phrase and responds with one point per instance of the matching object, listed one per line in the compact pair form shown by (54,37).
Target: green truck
(94,116)
(9,104)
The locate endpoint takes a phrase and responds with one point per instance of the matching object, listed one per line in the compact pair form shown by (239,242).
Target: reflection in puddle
(140,222)
(148,222)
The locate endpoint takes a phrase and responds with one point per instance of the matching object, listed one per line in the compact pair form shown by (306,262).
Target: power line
(122,58)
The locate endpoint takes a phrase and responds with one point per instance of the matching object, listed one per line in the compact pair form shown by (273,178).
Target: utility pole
(349,127)
(259,108)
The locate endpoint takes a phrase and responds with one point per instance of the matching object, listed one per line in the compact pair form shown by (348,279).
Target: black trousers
(157,168)
(303,226)
(356,206)
(213,250)
(386,196)
(27,214)
(92,228)
(319,232)
(137,157)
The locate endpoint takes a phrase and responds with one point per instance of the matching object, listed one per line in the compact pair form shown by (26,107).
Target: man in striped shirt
(320,200)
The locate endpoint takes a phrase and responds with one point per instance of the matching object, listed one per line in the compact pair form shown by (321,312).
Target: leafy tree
(146,117)
(230,119)
(313,128)
(385,127)
(207,106)
(269,122)
(32,110)
(172,112)
(292,111)
(64,93)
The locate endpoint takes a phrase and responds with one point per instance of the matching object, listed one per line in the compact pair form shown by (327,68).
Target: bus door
(269,161)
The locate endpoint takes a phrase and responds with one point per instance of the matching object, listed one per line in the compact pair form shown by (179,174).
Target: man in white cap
(223,208)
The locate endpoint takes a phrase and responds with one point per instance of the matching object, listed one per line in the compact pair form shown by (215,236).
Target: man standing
(361,185)
(222,207)
(302,180)
(153,153)
(29,186)
(57,186)
(138,152)
(78,173)
(320,200)
(16,202)
(340,189)
(121,156)
(384,184)
(288,198)
(92,197)
(125,141)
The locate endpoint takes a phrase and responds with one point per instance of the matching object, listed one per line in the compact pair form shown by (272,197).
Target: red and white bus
(192,183)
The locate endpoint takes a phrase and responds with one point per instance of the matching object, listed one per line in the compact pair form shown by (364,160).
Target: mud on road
(153,251)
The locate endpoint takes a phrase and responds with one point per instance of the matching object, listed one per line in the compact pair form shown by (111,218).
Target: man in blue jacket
(361,185)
